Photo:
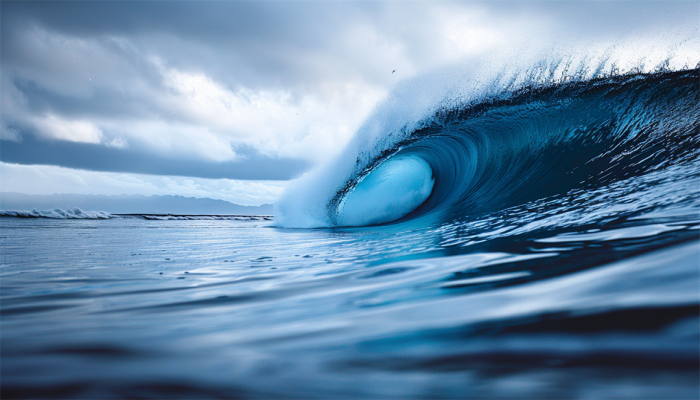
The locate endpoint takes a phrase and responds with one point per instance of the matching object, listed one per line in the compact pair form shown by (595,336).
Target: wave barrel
(392,190)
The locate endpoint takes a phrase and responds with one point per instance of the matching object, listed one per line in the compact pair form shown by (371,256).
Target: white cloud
(54,127)
(118,143)
(197,108)
(170,111)
(190,113)
(42,179)
(275,122)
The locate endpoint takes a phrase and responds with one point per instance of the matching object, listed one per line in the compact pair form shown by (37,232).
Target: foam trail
(57,213)
(77,213)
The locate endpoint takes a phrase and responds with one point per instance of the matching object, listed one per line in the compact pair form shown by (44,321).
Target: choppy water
(135,308)
(556,254)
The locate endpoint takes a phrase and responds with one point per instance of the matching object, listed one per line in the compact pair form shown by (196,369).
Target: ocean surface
(538,239)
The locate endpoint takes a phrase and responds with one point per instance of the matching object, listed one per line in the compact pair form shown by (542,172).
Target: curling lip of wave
(416,110)
(540,141)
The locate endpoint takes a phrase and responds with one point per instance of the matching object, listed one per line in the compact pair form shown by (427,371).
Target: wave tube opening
(392,190)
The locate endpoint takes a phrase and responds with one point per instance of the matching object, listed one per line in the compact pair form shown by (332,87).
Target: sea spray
(418,109)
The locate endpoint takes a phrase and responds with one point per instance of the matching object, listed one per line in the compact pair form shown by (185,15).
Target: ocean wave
(506,139)
(57,213)
(170,217)
(77,213)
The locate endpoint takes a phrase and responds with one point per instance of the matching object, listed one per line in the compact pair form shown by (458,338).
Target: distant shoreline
(77,213)
(192,215)
(130,204)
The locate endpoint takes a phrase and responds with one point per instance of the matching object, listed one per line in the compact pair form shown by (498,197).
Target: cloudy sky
(231,100)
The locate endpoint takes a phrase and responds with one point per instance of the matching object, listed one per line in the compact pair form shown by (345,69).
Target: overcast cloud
(65,180)
(246,90)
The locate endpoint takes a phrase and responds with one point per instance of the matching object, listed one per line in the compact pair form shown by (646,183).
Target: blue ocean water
(538,242)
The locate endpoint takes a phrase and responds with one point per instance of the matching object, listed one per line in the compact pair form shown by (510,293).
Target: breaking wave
(461,147)
(77,213)
(57,213)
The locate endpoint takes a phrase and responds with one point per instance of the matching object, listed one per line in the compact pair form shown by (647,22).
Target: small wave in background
(77,213)
(57,213)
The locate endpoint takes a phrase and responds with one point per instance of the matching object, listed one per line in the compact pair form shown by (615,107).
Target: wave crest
(57,213)
(497,139)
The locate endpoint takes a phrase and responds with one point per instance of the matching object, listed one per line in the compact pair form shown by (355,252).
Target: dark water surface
(557,255)
(132,308)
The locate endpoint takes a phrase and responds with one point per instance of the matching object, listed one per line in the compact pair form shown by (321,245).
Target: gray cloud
(100,158)
(252,90)
(259,43)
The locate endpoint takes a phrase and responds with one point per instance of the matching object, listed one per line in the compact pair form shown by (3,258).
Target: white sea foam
(206,217)
(77,213)
(57,213)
